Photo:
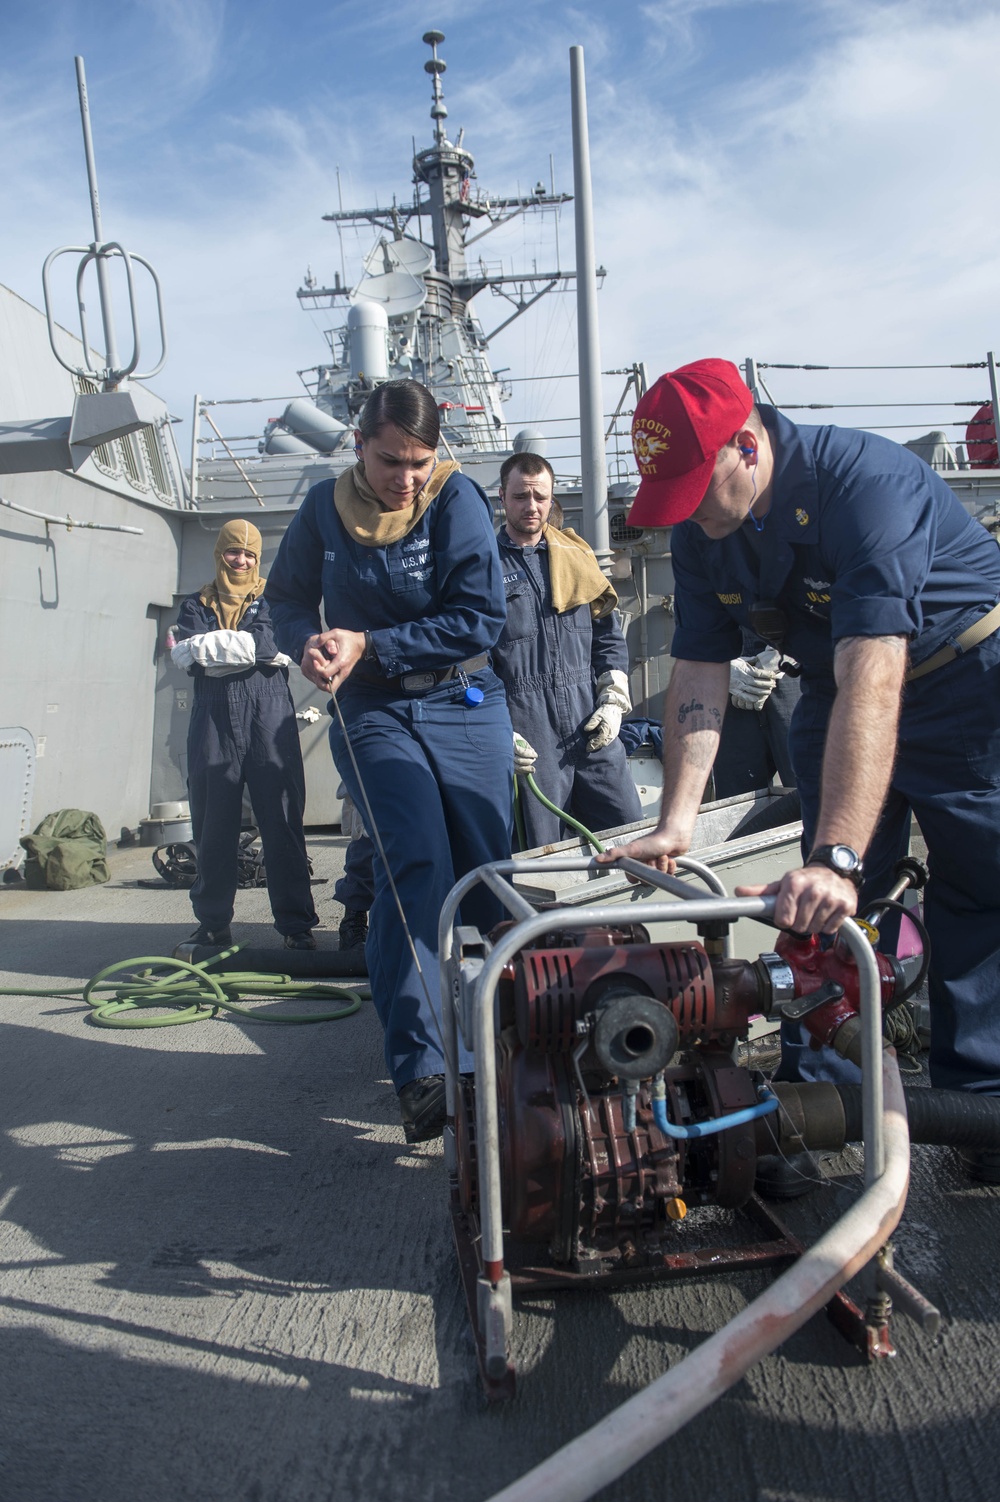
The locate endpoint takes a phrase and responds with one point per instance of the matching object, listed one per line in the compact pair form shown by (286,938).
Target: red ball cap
(679,426)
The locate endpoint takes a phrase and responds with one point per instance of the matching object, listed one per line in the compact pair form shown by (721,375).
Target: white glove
(525,754)
(612,702)
(218,652)
(279,660)
(752,679)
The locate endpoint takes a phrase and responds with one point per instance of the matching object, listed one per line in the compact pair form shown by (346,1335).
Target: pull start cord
(377,839)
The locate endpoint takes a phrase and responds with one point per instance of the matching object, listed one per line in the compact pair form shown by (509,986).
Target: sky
(801,181)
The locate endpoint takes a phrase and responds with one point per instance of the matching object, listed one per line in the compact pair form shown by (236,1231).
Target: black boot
(422,1107)
(303,940)
(215,938)
(353,928)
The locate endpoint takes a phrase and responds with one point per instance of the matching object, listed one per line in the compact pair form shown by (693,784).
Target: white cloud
(833,200)
(842,210)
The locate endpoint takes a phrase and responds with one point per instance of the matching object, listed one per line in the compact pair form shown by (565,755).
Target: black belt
(421,683)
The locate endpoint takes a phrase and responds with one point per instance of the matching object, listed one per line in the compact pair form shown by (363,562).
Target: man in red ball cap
(847,552)
(679,428)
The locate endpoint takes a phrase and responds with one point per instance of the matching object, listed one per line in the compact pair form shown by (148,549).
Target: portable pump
(609,1102)
(619,1100)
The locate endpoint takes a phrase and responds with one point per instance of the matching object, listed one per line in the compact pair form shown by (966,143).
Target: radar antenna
(101,252)
(435,66)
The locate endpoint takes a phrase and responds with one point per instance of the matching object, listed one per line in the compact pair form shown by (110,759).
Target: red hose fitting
(828,973)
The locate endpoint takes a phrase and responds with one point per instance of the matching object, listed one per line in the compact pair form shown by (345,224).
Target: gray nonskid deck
(224,1275)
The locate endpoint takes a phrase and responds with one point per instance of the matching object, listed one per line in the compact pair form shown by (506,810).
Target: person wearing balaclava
(242,733)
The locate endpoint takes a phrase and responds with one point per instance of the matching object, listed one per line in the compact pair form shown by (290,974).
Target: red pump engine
(588,1020)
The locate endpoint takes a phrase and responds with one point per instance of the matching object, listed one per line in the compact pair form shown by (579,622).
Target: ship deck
(224,1275)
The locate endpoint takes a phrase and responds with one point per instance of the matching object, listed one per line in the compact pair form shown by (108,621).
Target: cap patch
(646,445)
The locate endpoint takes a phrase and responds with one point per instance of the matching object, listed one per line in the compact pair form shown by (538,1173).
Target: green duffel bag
(67,850)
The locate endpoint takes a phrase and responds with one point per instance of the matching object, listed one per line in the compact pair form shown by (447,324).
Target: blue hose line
(709,1128)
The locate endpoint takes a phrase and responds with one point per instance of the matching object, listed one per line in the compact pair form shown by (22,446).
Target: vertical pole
(593,463)
(991,361)
(195,432)
(101,261)
(752,378)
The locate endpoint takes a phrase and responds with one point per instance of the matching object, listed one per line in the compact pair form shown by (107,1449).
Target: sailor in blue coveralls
(564,664)
(852,555)
(402,553)
(242,732)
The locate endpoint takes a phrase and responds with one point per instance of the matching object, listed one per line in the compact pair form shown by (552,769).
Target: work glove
(611,703)
(525,755)
(218,652)
(752,679)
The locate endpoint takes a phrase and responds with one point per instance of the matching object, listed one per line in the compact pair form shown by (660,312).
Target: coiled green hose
(188,993)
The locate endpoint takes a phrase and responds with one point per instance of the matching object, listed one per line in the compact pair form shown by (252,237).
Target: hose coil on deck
(183,992)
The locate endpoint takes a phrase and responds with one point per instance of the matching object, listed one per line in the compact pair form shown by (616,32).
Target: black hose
(945,1118)
(305,964)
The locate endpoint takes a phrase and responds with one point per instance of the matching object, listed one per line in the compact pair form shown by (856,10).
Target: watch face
(839,858)
(844,858)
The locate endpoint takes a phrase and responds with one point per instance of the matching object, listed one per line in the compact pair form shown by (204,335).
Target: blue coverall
(549,665)
(356,888)
(863,539)
(243,731)
(438,771)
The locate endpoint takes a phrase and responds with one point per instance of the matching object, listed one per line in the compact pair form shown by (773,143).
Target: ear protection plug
(747,451)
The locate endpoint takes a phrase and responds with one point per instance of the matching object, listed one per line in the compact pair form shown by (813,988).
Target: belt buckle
(412,682)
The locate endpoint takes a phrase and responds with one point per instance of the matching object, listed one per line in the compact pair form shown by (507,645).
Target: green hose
(190,994)
(566,818)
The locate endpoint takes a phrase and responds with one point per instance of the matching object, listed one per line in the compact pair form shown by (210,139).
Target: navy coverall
(549,665)
(356,888)
(438,771)
(753,745)
(863,539)
(243,731)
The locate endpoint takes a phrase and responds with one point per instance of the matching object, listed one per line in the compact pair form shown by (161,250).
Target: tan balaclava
(231,591)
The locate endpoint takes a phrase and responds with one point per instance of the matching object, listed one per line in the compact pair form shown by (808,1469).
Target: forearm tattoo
(712,720)
(694,717)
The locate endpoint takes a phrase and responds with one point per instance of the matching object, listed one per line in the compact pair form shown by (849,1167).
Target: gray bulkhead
(79,608)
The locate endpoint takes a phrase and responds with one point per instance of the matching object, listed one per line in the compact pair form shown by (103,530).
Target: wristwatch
(839,858)
(370,655)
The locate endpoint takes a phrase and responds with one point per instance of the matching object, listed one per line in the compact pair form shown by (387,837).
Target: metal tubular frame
(494,1298)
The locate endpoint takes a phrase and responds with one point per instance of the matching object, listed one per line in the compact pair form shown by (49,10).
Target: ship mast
(445,171)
